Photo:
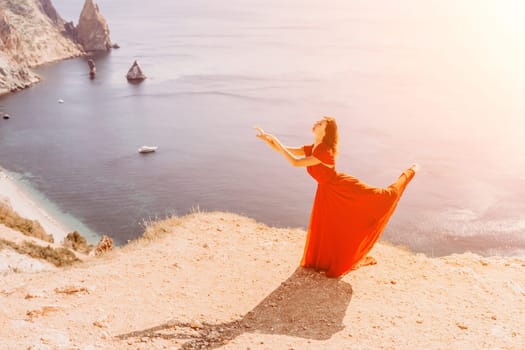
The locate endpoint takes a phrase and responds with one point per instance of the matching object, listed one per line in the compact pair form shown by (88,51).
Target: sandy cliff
(219,280)
(31,33)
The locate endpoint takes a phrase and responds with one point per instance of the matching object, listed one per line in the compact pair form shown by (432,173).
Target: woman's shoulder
(323,147)
(324,153)
(308,149)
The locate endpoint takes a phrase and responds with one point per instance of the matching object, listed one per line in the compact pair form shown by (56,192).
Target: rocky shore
(32,33)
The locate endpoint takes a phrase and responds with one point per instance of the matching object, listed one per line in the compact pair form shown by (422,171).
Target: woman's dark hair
(331,136)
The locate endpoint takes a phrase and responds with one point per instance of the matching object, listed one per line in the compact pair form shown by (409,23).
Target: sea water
(434,82)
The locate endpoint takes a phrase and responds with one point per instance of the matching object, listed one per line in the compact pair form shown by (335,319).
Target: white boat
(147,149)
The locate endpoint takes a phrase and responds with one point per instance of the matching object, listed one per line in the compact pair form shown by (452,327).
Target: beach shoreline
(27,207)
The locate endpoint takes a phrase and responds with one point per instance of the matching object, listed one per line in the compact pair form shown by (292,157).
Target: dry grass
(155,229)
(56,256)
(75,241)
(31,228)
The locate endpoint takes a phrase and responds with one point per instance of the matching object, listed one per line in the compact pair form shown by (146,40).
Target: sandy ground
(219,280)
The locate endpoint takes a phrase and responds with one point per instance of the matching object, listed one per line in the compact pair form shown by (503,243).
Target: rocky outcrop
(135,73)
(75,241)
(31,33)
(104,245)
(48,8)
(92,29)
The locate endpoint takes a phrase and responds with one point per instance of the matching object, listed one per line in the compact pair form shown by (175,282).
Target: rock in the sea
(92,29)
(135,72)
(92,68)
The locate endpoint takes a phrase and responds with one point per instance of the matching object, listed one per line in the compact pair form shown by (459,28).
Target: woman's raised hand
(269,138)
(261,134)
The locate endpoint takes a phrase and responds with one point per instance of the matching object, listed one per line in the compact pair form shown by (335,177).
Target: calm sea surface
(437,82)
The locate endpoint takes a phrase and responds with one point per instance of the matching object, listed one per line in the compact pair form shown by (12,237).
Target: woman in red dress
(348,215)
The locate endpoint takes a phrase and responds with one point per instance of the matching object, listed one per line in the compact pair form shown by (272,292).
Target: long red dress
(347,217)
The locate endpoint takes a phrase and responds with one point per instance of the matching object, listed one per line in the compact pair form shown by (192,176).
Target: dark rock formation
(71,30)
(93,31)
(135,73)
(92,68)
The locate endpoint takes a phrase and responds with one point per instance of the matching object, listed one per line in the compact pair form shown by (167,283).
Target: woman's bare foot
(415,167)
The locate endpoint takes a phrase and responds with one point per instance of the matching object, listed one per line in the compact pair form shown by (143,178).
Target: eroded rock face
(48,8)
(92,29)
(31,33)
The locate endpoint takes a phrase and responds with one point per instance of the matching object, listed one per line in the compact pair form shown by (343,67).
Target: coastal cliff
(220,280)
(32,33)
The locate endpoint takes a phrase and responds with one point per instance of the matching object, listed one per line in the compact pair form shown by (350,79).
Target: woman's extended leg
(401,183)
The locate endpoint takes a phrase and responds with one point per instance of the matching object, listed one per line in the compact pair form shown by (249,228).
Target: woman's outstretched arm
(296,151)
(288,152)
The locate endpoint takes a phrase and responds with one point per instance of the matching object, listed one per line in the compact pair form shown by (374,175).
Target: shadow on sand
(307,305)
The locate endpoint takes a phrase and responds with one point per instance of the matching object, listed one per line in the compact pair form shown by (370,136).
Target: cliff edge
(220,280)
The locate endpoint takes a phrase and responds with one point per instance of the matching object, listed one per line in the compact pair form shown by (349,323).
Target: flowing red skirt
(348,216)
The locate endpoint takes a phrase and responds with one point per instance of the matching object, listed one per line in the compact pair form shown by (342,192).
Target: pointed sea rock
(93,30)
(135,72)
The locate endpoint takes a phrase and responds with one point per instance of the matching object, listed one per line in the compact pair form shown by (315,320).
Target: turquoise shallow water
(407,82)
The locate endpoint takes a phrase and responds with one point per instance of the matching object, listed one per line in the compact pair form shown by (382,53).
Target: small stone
(393,282)
(493,317)
(99,324)
(419,321)
(195,324)
(461,325)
